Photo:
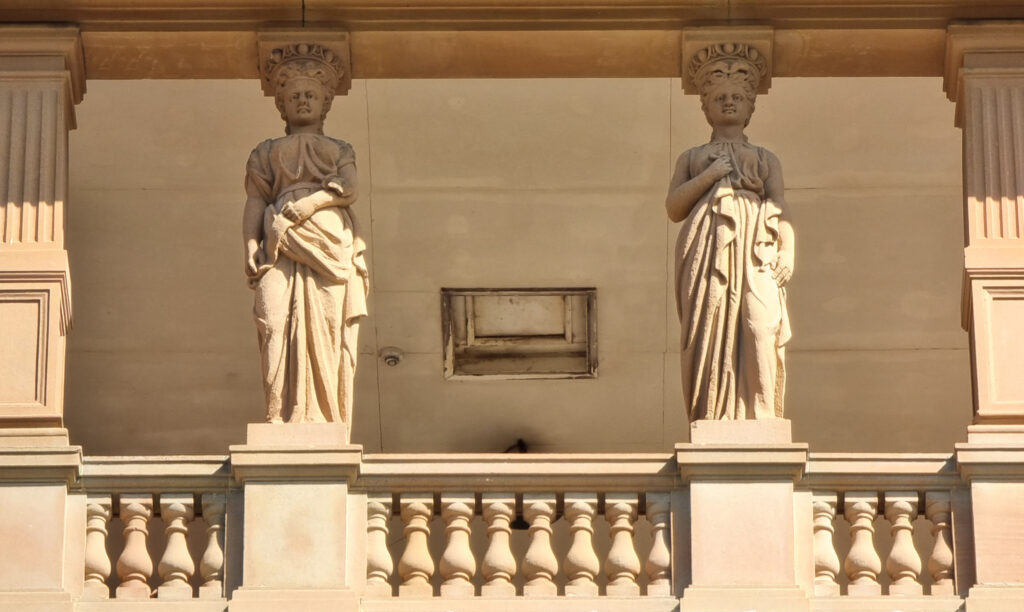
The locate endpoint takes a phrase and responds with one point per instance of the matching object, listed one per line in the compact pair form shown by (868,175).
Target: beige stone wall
(509,183)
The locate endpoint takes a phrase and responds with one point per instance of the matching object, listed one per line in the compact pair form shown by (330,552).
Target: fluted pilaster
(42,77)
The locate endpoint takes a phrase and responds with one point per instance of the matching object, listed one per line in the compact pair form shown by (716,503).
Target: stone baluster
(97,562)
(416,565)
(659,561)
(499,565)
(940,563)
(581,562)
(211,564)
(622,565)
(176,566)
(903,564)
(826,561)
(540,564)
(379,564)
(134,567)
(457,562)
(862,562)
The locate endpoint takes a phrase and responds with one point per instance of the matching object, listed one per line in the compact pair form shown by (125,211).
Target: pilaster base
(744,599)
(988,598)
(248,599)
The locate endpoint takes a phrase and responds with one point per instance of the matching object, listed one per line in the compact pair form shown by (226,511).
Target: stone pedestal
(41,526)
(298,551)
(741,499)
(992,461)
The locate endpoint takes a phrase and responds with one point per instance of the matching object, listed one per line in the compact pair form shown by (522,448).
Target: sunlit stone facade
(510,148)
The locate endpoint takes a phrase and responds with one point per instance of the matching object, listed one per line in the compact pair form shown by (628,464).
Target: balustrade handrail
(519,473)
(905,471)
(157,474)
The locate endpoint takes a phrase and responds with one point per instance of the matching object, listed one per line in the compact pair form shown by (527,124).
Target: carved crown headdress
(306,60)
(727,62)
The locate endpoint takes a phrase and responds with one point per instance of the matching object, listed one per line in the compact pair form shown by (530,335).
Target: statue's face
(728,105)
(304,101)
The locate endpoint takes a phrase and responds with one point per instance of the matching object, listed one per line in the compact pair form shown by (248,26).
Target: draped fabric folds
(733,313)
(312,288)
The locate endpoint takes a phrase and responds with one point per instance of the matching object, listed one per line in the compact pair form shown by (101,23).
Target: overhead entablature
(171,39)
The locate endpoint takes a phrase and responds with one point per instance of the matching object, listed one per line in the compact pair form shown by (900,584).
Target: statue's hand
(299,211)
(254,258)
(719,168)
(782,267)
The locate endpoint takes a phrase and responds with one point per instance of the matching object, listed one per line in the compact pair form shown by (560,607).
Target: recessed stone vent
(519,333)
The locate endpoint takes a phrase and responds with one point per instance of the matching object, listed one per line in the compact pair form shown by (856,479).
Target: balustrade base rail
(520,604)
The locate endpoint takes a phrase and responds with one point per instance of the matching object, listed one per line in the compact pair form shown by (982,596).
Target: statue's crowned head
(308,62)
(727,64)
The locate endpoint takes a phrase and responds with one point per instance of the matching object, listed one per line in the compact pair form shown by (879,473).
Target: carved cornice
(360,14)
(136,39)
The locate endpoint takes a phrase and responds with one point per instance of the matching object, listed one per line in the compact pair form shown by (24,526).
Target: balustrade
(863,562)
(160,525)
(571,566)
(499,544)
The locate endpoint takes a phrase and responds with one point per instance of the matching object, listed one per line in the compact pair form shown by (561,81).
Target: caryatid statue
(303,251)
(734,254)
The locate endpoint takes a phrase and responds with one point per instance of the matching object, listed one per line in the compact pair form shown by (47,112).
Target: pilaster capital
(29,52)
(750,41)
(992,49)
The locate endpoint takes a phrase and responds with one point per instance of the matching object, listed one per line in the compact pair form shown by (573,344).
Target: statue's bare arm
(341,192)
(685,191)
(775,191)
(252,232)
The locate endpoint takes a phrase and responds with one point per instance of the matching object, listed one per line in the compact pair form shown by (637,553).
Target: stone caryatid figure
(303,252)
(734,254)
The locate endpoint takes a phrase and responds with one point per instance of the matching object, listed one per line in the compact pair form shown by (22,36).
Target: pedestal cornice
(301,452)
(39,464)
(306,464)
(734,462)
(990,461)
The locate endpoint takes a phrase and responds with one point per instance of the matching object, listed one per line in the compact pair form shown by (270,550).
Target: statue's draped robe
(311,290)
(733,313)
